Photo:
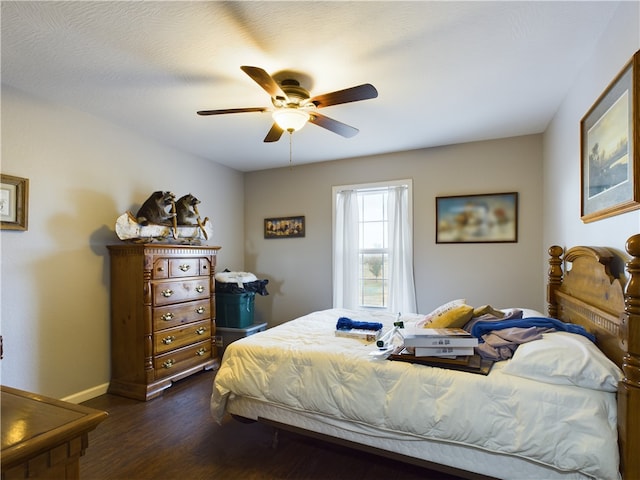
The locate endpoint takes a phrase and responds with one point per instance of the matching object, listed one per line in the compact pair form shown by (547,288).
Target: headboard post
(554,279)
(629,389)
(631,322)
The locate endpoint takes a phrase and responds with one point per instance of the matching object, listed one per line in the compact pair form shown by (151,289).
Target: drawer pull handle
(201,330)
(169,363)
(167,316)
(199,289)
(200,310)
(167,293)
(161,269)
(201,352)
(184,267)
(168,340)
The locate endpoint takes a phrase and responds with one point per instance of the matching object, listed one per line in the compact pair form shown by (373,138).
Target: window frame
(408,182)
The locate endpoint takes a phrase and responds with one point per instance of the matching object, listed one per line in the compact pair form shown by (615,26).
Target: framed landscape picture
(610,160)
(14,202)
(484,218)
(284,227)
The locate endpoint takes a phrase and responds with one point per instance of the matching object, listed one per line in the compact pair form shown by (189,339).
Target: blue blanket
(483,327)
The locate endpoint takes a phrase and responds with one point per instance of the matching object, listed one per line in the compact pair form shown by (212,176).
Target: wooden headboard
(589,287)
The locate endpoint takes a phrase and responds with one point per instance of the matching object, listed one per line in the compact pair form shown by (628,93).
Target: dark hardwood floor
(174,437)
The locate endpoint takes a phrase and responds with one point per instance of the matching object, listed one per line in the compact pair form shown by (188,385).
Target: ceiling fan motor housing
(298,96)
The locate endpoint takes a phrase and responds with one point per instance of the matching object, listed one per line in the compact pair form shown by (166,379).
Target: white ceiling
(446,72)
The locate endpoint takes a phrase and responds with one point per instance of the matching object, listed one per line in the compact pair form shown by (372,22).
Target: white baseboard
(87,394)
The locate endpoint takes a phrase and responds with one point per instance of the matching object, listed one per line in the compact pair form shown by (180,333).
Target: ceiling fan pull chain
(290,149)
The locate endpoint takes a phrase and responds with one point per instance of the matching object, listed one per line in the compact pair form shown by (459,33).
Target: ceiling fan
(294,107)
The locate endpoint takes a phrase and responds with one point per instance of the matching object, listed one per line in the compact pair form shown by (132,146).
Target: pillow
(445,307)
(527,312)
(564,358)
(454,318)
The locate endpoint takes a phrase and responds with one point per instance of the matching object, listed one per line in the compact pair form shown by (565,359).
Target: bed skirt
(452,455)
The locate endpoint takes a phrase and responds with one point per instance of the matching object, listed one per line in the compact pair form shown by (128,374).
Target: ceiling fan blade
(232,110)
(274,134)
(265,80)
(353,94)
(333,125)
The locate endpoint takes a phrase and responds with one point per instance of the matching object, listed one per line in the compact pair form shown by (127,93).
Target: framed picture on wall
(484,218)
(14,202)
(284,227)
(609,156)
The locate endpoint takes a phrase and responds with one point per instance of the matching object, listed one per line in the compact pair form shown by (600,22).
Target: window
(373,257)
(373,247)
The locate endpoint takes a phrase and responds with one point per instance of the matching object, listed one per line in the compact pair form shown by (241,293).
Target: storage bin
(225,335)
(234,310)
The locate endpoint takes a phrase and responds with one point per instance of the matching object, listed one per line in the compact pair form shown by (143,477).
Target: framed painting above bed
(483,218)
(609,148)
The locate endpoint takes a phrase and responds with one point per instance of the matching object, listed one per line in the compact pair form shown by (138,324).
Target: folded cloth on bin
(239,278)
(240,282)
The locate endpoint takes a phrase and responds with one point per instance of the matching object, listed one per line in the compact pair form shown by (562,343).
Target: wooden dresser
(162,316)
(43,438)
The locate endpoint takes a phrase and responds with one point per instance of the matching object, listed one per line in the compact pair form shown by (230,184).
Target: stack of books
(440,342)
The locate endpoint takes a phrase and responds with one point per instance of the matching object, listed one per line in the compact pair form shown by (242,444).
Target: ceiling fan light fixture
(290,119)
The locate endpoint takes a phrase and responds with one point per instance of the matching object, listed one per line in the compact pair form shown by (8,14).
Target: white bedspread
(303,365)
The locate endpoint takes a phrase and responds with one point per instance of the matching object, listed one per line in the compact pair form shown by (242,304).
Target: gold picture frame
(284,227)
(610,148)
(14,202)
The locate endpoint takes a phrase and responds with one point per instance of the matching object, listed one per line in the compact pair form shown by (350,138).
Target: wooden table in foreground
(43,438)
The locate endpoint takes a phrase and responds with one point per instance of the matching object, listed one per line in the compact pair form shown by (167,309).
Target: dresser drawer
(180,267)
(165,293)
(173,362)
(177,337)
(184,267)
(174,315)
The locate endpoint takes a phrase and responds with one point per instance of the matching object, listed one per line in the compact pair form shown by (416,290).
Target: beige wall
(299,269)
(84,173)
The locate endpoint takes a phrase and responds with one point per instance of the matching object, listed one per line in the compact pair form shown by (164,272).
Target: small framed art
(284,227)
(609,143)
(484,218)
(14,202)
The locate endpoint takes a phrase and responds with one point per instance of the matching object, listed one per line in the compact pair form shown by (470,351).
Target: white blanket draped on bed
(301,364)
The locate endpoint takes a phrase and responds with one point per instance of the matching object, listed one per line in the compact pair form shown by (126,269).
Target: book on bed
(439,337)
(367,336)
(441,351)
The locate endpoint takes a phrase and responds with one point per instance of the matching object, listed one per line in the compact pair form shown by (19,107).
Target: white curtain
(346,244)
(402,291)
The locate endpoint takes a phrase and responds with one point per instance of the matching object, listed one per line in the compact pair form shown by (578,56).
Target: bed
(560,408)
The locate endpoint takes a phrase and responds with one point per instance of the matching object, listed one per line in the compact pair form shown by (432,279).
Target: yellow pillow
(454,318)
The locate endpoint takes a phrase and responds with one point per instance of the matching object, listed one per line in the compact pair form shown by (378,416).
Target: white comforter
(301,364)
